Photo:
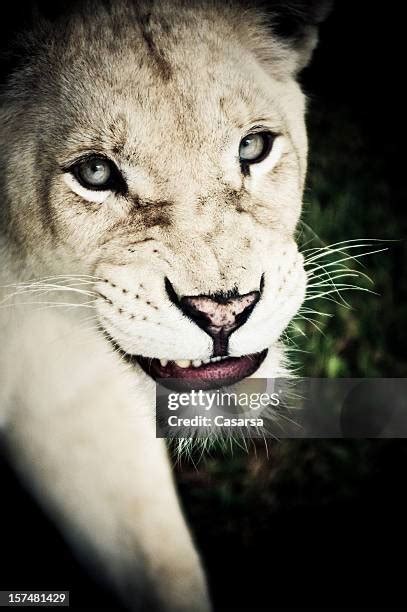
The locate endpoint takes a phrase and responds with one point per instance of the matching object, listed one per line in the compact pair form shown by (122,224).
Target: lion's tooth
(164,362)
(197,363)
(183,363)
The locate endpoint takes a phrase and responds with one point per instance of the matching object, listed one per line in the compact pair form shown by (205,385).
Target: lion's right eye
(98,173)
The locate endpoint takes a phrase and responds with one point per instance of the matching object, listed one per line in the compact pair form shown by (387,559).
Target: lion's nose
(219,315)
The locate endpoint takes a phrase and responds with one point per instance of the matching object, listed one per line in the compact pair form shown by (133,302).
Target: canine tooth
(205,361)
(183,363)
(164,362)
(196,363)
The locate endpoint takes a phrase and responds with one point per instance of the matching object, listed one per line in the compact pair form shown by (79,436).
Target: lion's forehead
(195,108)
(159,79)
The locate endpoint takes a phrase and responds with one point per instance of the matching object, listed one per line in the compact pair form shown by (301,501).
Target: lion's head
(160,148)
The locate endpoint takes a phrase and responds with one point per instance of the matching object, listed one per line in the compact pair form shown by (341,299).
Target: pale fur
(79,422)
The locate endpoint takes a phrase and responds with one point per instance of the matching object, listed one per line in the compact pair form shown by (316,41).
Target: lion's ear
(295,23)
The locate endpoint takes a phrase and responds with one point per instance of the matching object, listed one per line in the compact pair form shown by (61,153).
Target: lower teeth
(196,363)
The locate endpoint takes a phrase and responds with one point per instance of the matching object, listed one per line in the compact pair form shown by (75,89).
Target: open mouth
(209,374)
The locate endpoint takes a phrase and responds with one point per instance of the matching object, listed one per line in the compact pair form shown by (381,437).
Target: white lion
(152,167)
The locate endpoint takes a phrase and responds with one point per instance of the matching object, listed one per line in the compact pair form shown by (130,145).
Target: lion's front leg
(96,465)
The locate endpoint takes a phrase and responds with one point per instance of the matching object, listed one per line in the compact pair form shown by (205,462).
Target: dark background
(315,524)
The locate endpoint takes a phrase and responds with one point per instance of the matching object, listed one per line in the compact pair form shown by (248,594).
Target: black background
(351,554)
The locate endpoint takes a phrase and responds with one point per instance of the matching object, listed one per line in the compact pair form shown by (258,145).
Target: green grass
(348,198)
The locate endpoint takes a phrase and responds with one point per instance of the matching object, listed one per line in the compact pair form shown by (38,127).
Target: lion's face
(171,167)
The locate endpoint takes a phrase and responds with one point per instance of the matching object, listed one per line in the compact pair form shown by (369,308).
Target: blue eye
(255,147)
(98,174)
(95,172)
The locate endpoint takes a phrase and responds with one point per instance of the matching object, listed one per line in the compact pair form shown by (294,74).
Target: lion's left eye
(255,147)
(97,174)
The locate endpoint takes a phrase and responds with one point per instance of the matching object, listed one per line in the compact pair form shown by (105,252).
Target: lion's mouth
(214,373)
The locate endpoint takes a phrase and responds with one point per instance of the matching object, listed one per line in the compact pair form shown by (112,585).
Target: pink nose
(220,316)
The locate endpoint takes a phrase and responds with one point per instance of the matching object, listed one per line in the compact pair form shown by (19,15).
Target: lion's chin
(217,372)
